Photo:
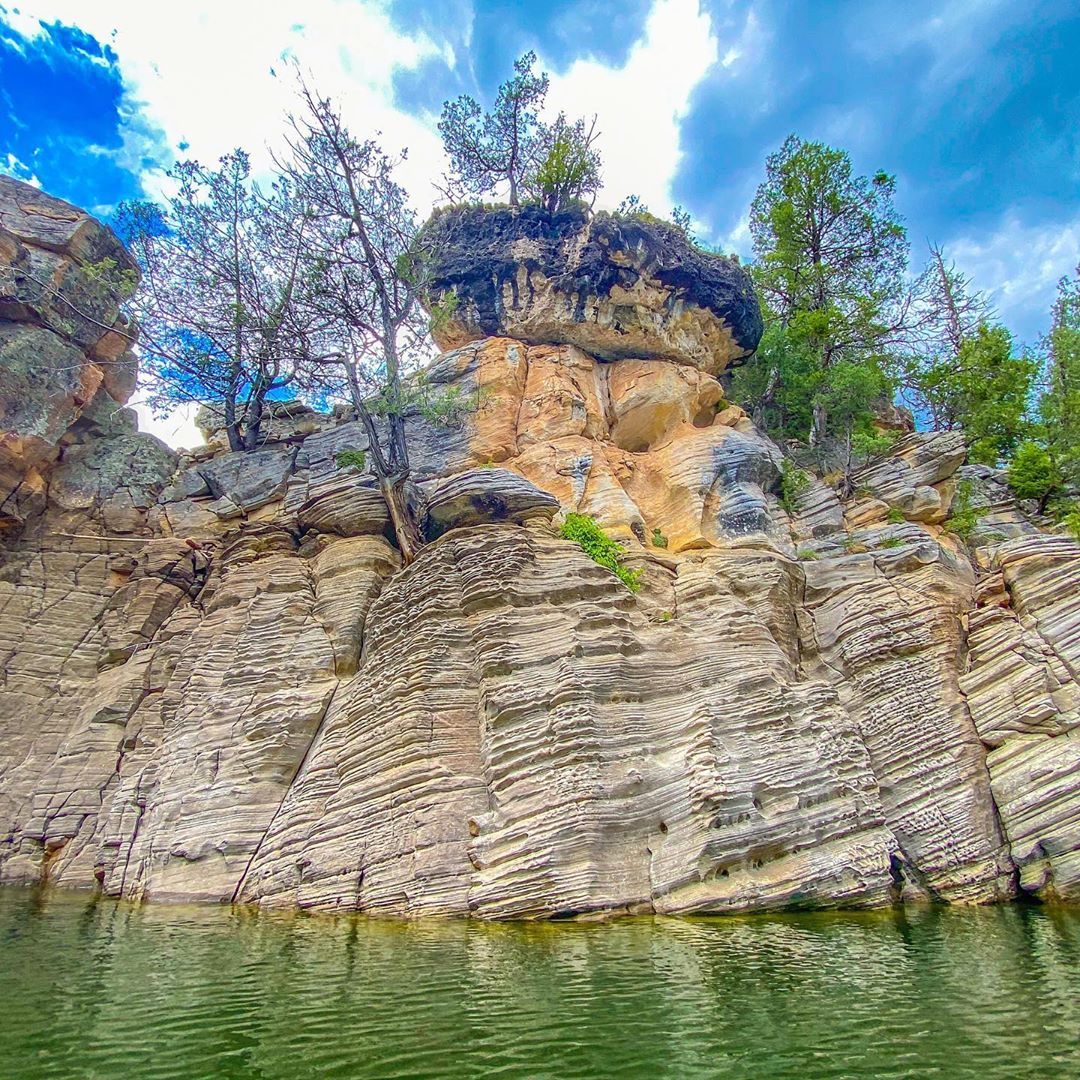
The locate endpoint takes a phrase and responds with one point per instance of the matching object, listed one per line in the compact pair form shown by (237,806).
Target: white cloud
(212,74)
(177,429)
(12,166)
(1019,265)
(640,105)
(204,74)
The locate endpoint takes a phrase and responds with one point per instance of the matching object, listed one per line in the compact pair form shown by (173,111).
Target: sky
(974,105)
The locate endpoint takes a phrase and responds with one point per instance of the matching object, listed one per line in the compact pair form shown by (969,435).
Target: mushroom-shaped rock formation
(617,286)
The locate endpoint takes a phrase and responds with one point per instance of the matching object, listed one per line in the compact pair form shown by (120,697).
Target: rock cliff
(220,685)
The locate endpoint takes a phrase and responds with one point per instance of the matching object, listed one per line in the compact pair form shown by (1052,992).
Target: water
(99,989)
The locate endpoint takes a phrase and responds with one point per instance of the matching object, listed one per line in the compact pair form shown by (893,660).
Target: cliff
(219,684)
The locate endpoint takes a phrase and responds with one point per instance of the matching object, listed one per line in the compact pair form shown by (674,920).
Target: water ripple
(105,991)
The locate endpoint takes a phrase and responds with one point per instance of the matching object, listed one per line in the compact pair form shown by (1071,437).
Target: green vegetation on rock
(794,484)
(599,547)
(964,516)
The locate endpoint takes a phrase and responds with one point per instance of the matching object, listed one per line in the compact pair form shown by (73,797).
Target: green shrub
(1071,523)
(354,458)
(891,542)
(871,443)
(794,483)
(964,517)
(443,312)
(599,547)
(808,554)
(896,517)
(659,540)
(1032,474)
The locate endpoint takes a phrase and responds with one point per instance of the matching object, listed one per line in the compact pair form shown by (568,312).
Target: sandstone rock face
(58,356)
(219,684)
(615,286)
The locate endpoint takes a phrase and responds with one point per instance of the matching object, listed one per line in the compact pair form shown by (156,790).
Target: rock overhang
(616,286)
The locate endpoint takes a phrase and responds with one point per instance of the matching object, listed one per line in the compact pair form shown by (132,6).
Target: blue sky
(974,105)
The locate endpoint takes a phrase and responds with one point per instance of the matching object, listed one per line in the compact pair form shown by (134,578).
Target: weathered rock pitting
(219,684)
(616,286)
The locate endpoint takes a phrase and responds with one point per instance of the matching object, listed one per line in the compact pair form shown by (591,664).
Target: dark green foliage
(659,540)
(1059,404)
(963,516)
(599,547)
(831,256)
(1032,474)
(777,384)
(830,245)
(570,169)
(868,443)
(987,389)
(807,554)
(891,542)
(895,516)
(794,483)
(355,459)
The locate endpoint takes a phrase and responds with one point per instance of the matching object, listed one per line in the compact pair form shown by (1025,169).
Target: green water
(106,990)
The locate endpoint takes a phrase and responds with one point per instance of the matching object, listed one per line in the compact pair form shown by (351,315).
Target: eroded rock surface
(219,684)
(615,286)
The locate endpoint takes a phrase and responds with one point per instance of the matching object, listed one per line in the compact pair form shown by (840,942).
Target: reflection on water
(99,989)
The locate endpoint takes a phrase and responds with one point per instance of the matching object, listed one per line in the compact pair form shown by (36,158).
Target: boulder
(616,286)
(484,496)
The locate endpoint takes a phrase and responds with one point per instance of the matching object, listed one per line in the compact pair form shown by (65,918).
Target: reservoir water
(94,988)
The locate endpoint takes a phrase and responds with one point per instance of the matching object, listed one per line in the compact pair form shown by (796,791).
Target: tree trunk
(406,529)
(846,486)
(767,397)
(232,428)
(820,424)
(253,423)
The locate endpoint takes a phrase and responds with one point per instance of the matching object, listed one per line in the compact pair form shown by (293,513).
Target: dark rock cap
(617,286)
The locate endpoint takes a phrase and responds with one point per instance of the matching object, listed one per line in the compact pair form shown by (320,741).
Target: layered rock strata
(219,683)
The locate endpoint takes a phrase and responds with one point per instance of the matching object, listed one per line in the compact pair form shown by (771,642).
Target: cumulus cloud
(216,74)
(1019,264)
(640,105)
(10,165)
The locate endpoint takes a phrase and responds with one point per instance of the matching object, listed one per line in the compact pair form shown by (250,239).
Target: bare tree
(218,308)
(362,277)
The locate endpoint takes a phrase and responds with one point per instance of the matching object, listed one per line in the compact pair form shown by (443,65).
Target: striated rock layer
(219,684)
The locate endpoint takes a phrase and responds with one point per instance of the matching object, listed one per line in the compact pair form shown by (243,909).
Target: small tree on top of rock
(510,149)
(503,147)
(570,169)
